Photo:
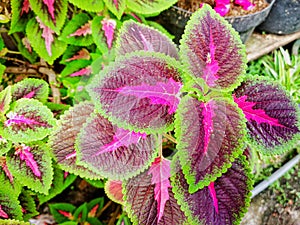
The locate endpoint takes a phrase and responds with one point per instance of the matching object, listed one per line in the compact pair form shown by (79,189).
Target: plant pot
(284,17)
(175,18)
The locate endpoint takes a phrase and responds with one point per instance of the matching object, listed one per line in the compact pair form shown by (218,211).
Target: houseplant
(243,21)
(200,93)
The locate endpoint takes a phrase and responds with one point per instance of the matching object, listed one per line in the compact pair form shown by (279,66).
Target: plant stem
(170,138)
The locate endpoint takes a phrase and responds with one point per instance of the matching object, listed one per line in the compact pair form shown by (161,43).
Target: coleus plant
(201,93)
(25,159)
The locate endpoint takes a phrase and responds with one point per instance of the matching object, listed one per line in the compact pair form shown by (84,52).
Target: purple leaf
(213,51)
(82,72)
(112,162)
(160,171)
(24,153)
(62,141)
(50,6)
(109,26)
(113,189)
(222,7)
(135,36)
(272,116)
(47,35)
(210,135)
(222,202)
(246,4)
(3,214)
(139,91)
(122,138)
(145,194)
(251,113)
(84,30)
(162,93)
(25,7)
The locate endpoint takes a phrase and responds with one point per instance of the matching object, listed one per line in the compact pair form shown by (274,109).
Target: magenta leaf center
(160,171)
(162,93)
(20,119)
(208,124)
(2,213)
(258,115)
(212,192)
(50,6)
(109,26)
(122,138)
(24,153)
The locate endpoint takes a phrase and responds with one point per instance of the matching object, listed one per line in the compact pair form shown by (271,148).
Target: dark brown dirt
(235,10)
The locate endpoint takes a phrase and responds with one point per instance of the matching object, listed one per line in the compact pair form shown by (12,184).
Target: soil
(235,10)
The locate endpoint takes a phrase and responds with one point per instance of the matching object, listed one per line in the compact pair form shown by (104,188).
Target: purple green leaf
(6,170)
(52,13)
(89,5)
(9,205)
(141,91)
(28,121)
(117,7)
(24,152)
(210,136)
(62,141)
(81,54)
(31,165)
(142,197)
(212,50)
(113,152)
(135,36)
(28,205)
(162,93)
(121,138)
(224,201)
(160,171)
(31,88)
(272,116)
(109,26)
(78,31)
(113,189)
(5,100)
(44,42)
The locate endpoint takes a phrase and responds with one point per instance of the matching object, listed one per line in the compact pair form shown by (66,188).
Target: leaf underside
(212,50)
(134,110)
(120,163)
(272,116)
(210,135)
(224,202)
(62,141)
(135,36)
(113,190)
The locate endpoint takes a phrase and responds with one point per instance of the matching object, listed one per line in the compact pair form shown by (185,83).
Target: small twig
(170,138)
(103,209)
(53,83)
(13,59)
(114,216)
